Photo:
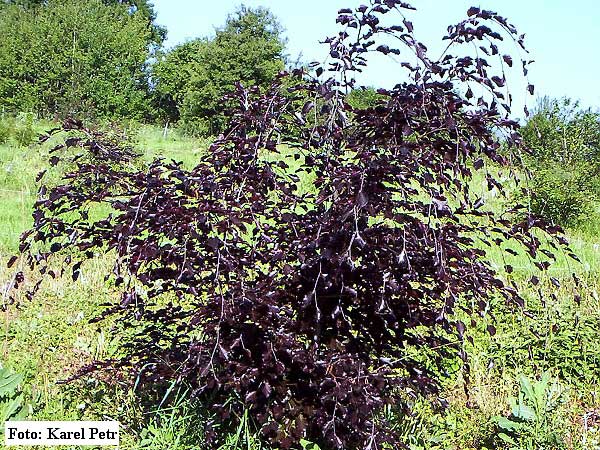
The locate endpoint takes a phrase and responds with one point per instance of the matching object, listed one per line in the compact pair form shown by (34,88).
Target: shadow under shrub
(296,288)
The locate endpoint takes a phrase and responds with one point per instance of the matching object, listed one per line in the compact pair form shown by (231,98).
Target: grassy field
(543,365)
(49,337)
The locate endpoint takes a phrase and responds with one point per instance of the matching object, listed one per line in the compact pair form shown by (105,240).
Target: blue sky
(562,36)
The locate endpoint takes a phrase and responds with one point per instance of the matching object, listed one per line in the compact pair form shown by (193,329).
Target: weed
(24,132)
(529,425)
(12,400)
(6,129)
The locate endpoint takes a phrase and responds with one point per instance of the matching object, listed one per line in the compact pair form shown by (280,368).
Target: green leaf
(9,382)
(507,424)
(541,388)
(12,408)
(524,412)
(307,445)
(527,388)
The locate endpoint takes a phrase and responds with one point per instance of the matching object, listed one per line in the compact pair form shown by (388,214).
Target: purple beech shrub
(292,282)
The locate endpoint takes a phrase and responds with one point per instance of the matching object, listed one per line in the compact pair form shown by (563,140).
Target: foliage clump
(530,423)
(299,285)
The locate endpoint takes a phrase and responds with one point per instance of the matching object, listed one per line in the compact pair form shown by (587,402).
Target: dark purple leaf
(11,261)
(473,11)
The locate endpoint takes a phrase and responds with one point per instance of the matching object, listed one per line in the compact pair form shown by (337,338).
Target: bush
(564,161)
(24,131)
(563,195)
(301,291)
(6,128)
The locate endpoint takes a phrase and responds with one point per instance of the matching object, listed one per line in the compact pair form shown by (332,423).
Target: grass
(50,336)
(47,339)
(18,168)
(153,142)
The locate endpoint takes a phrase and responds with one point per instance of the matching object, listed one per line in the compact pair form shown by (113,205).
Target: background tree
(196,75)
(173,73)
(363,98)
(65,57)
(564,160)
(145,9)
(142,7)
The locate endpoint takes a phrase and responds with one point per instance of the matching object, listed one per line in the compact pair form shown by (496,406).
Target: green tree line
(104,59)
